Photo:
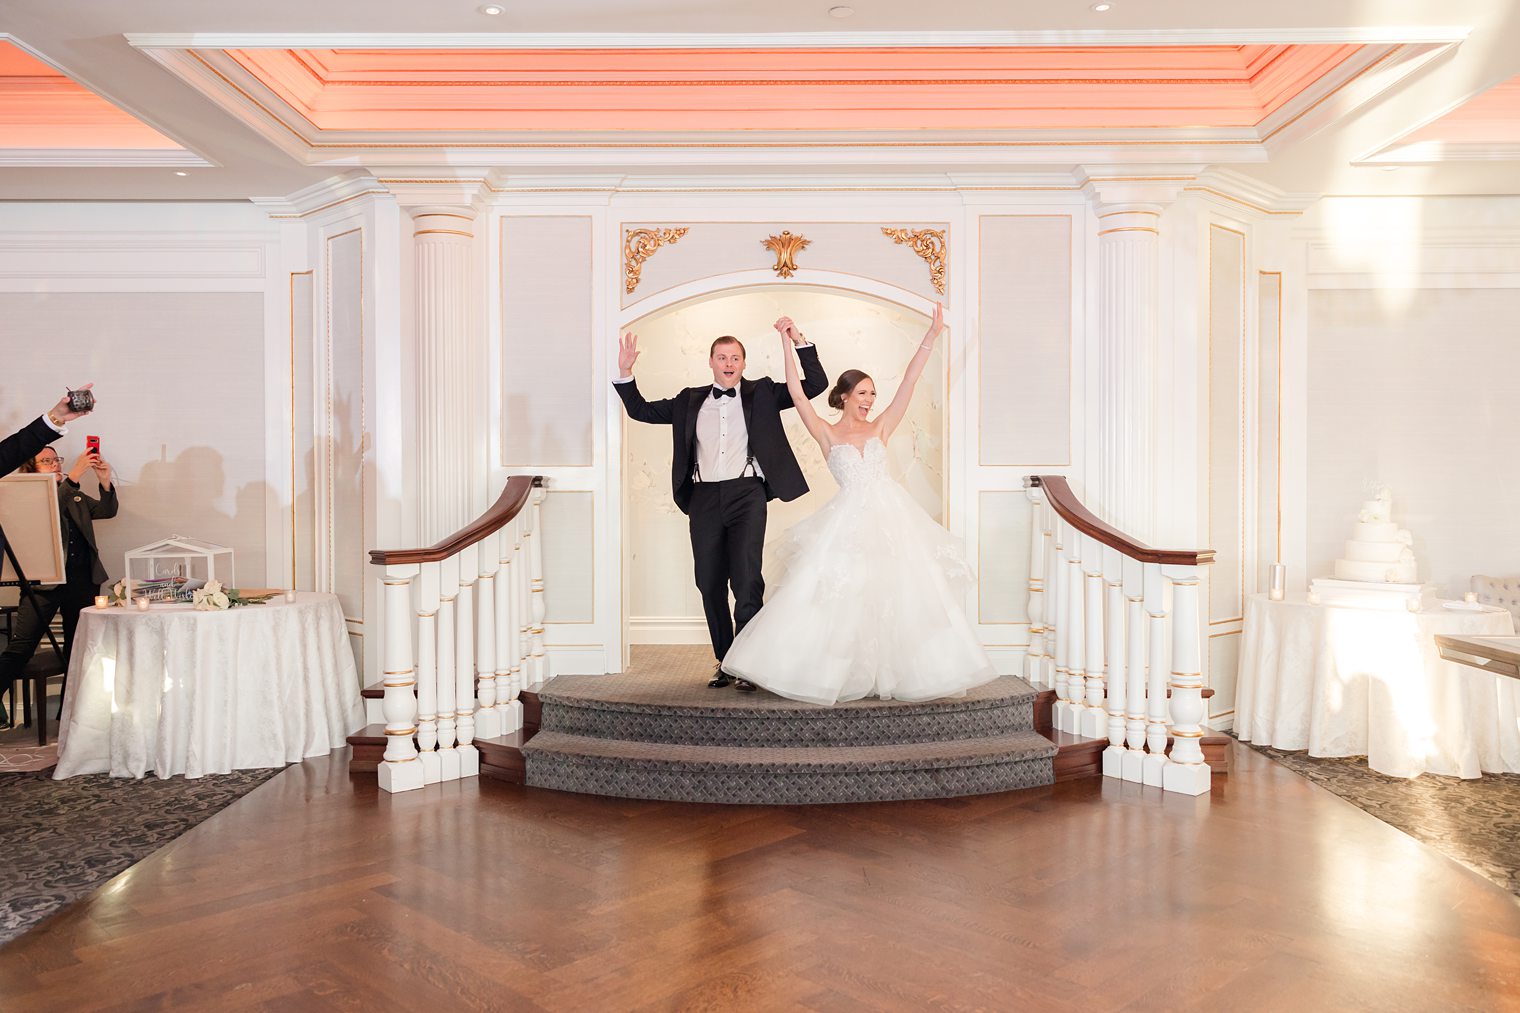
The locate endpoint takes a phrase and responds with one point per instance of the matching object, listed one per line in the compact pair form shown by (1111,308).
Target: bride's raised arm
(899,406)
(818,428)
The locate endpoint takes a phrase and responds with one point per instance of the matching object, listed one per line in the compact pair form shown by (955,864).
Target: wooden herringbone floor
(316,892)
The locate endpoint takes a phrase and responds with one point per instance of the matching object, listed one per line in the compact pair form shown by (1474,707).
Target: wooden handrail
(1065,503)
(507,506)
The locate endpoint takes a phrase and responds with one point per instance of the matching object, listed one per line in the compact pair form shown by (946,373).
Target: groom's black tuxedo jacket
(762,400)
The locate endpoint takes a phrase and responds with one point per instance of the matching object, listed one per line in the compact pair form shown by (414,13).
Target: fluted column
(1128,203)
(450,370)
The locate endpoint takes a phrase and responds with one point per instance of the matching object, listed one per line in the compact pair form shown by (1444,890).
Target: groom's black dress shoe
(722,679)
(744,686)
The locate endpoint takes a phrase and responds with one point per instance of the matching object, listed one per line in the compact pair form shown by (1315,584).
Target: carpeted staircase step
(656,708)
(799,775)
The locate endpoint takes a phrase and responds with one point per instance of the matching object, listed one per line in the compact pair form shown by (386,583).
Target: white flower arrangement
(119,593)
(212,597)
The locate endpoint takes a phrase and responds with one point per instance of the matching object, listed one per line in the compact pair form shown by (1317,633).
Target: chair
(43,666)
(1503,592)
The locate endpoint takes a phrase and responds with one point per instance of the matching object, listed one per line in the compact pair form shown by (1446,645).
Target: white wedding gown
(865,599)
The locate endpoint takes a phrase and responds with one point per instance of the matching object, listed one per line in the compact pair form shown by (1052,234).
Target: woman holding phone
(84,572)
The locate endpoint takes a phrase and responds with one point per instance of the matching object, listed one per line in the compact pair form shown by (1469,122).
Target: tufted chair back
(1501,591)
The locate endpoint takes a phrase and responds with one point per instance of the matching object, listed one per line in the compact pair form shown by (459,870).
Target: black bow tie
(720,392)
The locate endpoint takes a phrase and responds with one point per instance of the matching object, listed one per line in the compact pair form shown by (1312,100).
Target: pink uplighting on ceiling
(995,88)
(1490,118)
(40,107)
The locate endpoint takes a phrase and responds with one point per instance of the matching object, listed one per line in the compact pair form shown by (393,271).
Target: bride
(867,601)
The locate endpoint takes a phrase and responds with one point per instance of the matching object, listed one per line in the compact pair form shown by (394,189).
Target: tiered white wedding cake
(1379,566)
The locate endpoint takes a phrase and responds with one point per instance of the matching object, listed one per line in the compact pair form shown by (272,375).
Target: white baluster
(399,771)
(1093,719)
(487,720)
(1076,637)
(1052,592)
(1186,771)
(1034,659)
(448,596)
(524,610)
(1155,687)
(1062,614)
(536,562)
(508,707)
(1117,657)
(464,660)
(1134,717)
(427,673)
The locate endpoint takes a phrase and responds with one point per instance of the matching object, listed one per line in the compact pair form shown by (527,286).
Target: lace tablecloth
(177,691)
(1342,681)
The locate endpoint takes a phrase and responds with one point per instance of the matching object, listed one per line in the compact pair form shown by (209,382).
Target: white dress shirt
(722,440)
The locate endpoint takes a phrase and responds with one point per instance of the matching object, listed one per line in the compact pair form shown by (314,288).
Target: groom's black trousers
(727,544)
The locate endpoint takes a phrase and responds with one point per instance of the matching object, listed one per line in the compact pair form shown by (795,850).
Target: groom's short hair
(727,339)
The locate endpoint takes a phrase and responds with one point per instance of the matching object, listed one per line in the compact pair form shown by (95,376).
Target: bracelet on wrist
(55,420)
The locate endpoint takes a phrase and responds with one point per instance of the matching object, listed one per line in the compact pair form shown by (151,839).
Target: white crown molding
(1431,152)
(330,192)
(1243,196)
(831,40)
(121,158)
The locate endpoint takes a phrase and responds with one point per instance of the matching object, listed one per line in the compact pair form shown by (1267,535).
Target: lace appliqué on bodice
(850,466)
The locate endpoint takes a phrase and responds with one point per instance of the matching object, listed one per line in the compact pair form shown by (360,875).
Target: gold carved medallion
(786,247)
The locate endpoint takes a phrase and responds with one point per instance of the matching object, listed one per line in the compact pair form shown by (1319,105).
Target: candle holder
(141,603)
(290,594)
(1278,583)
(101,601)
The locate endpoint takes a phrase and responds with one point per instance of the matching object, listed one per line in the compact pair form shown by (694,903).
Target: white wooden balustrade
(463,636)
(1115,632)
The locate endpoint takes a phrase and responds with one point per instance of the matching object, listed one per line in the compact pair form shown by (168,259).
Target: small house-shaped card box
(172,567)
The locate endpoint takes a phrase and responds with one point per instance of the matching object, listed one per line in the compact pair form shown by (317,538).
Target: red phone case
(92,443)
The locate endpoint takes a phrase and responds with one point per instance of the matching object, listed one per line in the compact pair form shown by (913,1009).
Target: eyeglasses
(55,459)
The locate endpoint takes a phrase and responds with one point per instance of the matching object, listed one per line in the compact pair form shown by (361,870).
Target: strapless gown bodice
(864,598)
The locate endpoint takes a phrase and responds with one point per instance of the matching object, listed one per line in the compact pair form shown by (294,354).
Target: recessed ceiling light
(492,9)
(1100,8)
(180,172)
(841,12)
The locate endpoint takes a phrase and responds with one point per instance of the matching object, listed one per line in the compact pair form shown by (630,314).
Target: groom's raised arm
(658,413)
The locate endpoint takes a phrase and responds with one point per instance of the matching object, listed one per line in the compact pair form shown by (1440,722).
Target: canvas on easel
(32,525)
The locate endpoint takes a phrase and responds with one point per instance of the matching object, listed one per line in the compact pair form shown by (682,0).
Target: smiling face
(859,401)
(727,361)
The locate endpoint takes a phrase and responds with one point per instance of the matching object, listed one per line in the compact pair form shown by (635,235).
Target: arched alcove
(853,330)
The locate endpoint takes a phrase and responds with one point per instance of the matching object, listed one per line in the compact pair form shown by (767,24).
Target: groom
(730,457)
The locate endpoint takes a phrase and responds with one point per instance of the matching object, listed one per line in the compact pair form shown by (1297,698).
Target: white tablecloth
(1342,681)
(177,691)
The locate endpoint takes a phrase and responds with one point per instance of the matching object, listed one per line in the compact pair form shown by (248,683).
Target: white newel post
(464,662)
(400,770)
(536,562)
(487,720)
(1128,211)
(448,591)
(1034,660)
(427,673)
(1155,688)
(1186,771)
(1093,720)
(1134,663)
(1118,659)
(450,366)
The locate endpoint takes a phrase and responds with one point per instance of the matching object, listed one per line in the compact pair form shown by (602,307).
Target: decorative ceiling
(859,89)
(1485,128)
(42,109)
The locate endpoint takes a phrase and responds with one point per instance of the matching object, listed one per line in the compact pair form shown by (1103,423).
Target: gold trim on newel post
(929,244)
(638,246)
(786,247)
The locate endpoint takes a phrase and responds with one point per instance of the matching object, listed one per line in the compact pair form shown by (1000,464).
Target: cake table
(1338,680)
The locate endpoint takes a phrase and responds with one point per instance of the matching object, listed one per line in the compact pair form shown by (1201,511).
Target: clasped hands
(787,329)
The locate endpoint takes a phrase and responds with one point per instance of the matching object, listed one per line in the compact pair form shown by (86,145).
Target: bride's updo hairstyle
(845,386)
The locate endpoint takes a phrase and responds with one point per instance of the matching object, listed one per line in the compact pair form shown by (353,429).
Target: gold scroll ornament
(638,246)
(786,247)
(928,244)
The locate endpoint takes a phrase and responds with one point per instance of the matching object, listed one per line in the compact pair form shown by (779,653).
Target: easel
(29,592)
